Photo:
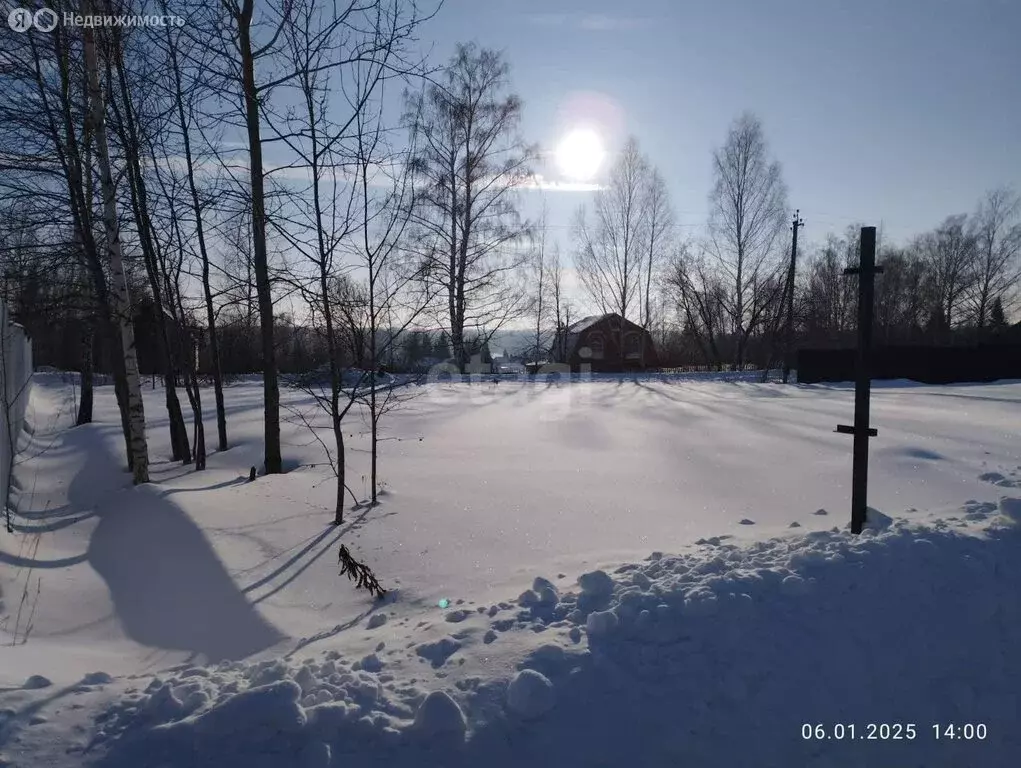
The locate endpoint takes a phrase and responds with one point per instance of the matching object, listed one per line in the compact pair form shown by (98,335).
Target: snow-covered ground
(201,620)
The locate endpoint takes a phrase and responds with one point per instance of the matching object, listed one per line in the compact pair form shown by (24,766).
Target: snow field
(226,638)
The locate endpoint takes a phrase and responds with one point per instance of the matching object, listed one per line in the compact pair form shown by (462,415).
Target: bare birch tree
(612,244)
(949,253)
(539,279)
(996,229)
(139,450)
(659,230)
(471,161)
(748,210)
(561,307)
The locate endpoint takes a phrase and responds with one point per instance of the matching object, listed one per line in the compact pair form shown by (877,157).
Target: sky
(893,113)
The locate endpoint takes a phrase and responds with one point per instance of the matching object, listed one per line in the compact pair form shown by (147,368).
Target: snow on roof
(584,323)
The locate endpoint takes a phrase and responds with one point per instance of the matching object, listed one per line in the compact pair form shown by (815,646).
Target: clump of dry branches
(360,573)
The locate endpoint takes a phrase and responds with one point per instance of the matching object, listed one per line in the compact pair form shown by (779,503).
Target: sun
(580,154)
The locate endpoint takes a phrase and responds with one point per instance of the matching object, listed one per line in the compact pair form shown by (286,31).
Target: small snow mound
(746,521)
(315,754)
(601,623)
(546,590)
(1011,508)
(596,584)
(795,524)
(163,706)
(376,621)
(528,598)
(263,711)
(530,694)
(96,678)
(35,682)
(305,679)
(701,601)
(877,521)
(440,716)
(549,659)
(820,512)
(795,585)
(438,651)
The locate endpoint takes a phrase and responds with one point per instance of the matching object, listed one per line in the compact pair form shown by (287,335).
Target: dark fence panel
(928,364)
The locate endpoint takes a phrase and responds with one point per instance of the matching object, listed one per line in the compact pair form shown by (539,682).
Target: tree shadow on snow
(313,549)
(167,584)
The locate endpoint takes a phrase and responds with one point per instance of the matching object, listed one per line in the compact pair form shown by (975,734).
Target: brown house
(605,343)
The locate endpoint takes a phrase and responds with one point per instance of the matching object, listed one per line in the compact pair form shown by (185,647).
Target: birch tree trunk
(264,289)
(139,451)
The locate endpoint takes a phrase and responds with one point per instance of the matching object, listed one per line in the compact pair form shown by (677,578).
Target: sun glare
(580,154)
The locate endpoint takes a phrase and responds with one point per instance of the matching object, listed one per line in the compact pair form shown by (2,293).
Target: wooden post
(866,271)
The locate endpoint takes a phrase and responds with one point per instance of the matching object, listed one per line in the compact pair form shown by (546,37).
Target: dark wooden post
(866,271)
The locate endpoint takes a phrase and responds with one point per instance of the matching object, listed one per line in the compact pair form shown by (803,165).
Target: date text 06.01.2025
(891,731)
(863,731)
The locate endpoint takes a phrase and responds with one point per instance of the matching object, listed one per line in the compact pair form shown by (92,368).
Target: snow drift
(714,657)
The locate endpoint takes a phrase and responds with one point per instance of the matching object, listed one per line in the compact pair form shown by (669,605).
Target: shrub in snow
(439,716)
(530,694)
(36,682)
(456,617)
(377,620)
(372,663)
(359,573)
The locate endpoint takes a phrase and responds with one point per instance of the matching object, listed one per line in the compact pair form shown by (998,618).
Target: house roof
(575,330)
(585,322)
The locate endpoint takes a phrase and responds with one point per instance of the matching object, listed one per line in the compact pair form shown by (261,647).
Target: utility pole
(866,272)
(797,224)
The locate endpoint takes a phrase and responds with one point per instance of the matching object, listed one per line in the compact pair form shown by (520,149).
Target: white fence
(15,381)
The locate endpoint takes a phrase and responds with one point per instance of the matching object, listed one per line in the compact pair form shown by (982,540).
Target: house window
(633,345)
(595,343)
